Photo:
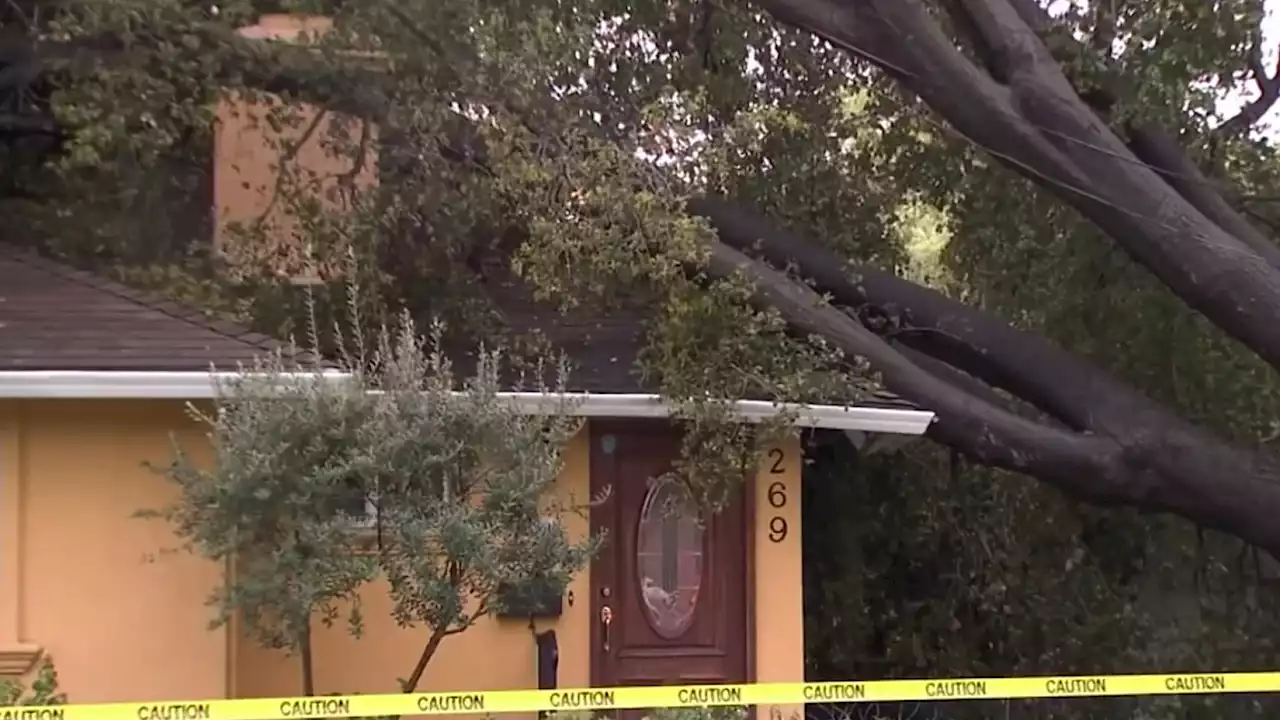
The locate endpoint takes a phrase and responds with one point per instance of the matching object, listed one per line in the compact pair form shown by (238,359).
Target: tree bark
(1027,115)
(1121,448)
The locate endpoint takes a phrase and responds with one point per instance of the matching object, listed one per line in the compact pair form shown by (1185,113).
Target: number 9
(778,529)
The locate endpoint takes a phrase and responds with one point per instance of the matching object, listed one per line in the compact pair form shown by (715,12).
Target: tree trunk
(1157,465)
(1023,111)
(308,660)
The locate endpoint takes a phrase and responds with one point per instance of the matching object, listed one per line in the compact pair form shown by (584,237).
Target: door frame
(595,428)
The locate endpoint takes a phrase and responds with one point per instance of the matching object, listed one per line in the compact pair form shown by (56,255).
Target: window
(669,557)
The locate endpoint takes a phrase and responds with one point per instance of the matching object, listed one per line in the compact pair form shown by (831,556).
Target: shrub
(43,690)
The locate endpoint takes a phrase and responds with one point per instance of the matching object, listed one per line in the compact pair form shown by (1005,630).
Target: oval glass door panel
(669,557)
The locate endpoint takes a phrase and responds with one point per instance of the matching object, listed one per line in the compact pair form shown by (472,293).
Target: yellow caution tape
(667,696)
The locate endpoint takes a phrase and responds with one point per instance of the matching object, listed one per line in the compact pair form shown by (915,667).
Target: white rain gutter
(77,385)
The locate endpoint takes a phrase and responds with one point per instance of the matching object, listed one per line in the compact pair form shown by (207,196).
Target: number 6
(777,495)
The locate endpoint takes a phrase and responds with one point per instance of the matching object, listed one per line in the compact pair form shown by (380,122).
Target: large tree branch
(1021,363)
(1162,151)
(1165,154)
(1164,466)
(990,433)
(1187,459)
(951,373)
(1038,125)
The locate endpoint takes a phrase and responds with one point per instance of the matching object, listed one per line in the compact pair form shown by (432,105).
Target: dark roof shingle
(53,317)
(602,347)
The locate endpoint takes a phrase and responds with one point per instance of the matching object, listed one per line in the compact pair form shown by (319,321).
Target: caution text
(1076,686)
(451,703)
(1195,683)
(956,689)
(835,692)
(31,714)
(316,707)
(174,711)
(711,696)
(583,699)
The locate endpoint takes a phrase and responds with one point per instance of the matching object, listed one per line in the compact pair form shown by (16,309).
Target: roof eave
(171,385)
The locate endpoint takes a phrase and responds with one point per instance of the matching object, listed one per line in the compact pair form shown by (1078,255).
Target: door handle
(606,620)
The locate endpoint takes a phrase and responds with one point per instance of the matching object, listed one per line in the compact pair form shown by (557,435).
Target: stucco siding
(779,582)
(84,579)
(118,626)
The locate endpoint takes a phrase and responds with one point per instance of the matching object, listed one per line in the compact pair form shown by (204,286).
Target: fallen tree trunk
(1119,447)
(1022,109)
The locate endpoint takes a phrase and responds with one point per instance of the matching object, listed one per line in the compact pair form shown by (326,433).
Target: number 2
(778,457)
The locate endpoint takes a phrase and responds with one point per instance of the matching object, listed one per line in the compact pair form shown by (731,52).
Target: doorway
(671,601)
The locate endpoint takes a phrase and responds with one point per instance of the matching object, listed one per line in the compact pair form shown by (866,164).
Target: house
(94,381)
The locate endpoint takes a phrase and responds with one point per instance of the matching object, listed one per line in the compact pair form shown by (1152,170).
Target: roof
(71,334)
(55,318)
(602,347)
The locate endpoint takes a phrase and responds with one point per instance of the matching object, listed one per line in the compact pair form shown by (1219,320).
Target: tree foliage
(42,689)
(442,489)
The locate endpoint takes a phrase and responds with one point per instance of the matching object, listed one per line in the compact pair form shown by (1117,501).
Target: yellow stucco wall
(75,578)
(779,584)
(73,559)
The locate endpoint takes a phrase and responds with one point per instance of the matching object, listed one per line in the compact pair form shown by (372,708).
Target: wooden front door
(670,594)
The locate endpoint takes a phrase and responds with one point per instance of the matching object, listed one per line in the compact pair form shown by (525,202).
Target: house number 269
(777,496)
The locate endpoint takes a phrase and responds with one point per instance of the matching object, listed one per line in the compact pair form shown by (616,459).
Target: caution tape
(667,696)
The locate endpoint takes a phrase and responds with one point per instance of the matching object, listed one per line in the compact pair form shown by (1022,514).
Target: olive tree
(442,488)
